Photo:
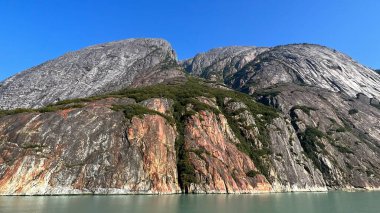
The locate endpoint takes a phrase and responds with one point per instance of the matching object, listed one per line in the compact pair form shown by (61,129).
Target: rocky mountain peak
(252,68)
(219,63)
(313,65)
(92,70)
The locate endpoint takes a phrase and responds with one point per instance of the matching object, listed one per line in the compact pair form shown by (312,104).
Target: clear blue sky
(32,32)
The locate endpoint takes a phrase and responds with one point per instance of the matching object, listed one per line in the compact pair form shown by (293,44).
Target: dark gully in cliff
(127,118)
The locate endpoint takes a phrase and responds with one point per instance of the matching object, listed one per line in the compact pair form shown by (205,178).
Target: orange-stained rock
(87,150)
(156,139)
(220,167)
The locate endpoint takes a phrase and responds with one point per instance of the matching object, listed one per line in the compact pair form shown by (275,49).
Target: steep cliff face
(113,145)
(197,140)
(341,135)
(87,150)
(328,134)
(92,70)
(219,165)
(308,120)
(277,150)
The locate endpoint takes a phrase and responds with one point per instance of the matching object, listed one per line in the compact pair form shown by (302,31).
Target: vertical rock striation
(220,167)
(87,150)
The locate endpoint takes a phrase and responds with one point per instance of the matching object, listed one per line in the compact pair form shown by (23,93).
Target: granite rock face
(221,63)
(317,127)
(92,70)
(219,165)
(311,146)
(340,134)
(288,168)
(92,150)
(330,113)
(302,64)
(96,150)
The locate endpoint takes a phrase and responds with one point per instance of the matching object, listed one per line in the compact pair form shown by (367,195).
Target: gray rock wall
(92,70)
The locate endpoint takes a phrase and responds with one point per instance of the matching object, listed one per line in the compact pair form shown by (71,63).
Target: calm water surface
(344,202)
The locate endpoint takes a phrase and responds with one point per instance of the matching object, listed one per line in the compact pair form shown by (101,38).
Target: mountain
(219,63)
(241,120)
(92,70)
(302,64)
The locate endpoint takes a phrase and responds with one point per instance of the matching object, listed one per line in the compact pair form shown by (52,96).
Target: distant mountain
(219,63)
(127,118)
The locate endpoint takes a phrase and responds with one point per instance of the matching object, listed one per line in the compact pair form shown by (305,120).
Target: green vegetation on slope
(310,142)
(138,110)
(353,111)
(184,94)
(49,108)
(246,145)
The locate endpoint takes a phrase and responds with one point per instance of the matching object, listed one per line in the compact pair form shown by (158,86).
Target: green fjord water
(345,202)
